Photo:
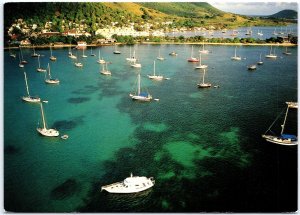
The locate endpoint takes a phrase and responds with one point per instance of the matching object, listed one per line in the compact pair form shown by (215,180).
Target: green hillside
(285,14)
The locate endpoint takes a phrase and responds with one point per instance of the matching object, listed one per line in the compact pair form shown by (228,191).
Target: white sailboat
(11,54)
(131,58)
(40,69)
(154,76)
(77,63)
(22,59)
(101,61)
(260,62)
(235,57)
(116,51)
(71,54)
(29,98)
(20,64)
(252,67)
(83,55)
(92,54)
(140,96)
(286,51)
(192,59)
(271,55)
(282,139)
(203,51)
(159,57)
(259,33)
(49,79)
(105,70)
(34,54)
(201,66)
(203,84)
(44,130)
(53,58)
(136,64)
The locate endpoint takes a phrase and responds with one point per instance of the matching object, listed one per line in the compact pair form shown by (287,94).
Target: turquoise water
(202,146)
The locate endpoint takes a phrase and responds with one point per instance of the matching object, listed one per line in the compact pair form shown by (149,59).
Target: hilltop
(285,14)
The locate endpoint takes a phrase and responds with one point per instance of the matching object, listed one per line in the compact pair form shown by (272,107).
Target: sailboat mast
(43,117)
(49,71)
(51,51)
(39,61)
(235,52)
(203,76)
(139,84)
(200,59)
(282,126)
(26,84)
(154,68)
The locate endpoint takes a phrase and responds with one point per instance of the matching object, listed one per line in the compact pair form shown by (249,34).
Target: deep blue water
(202,146)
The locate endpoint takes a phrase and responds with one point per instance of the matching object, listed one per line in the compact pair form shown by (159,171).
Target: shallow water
(202,146)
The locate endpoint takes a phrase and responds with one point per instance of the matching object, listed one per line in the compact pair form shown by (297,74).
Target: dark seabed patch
(10,150)
(68,124)
(78,100)
(88,89)
(65,190)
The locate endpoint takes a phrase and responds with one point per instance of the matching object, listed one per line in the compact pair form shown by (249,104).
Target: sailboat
(203,51)
(271,55)
(235,57)
(252,67)
(260,62)
(40,69)
(20,64)
(44,130)
(136,64)
(201,66)
(154,76)
(286,51)
(22,59)
(92,54)
(282,139)
(52,57)
(83,55)
(13,55)
(48,78)
(192,59)
(101,61)
(203,84)
(259,33)
(29,98)
(71,54)
(116,51)
(140,96)
(34,54)
(159,57)
(131,58)
(104,70)
(249,32)
(274,32)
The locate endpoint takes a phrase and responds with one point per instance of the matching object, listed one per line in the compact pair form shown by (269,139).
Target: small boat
(248,32)
(159,57)
(271,55)
(104,70)
(203,51)
(11,54)
(282,139)
(286,51)
(48,78)
(135,64)
(131,58)
(71,54)
(20,64)
(203,84)
(201,66)
(52,58)
(40,69)
(154,76)
(140,96)
(173,53)
(101,61)
(252,67)
(92,54)
(132,184)
(260,62)
(78,64)
(22,59)
(29,98)
(259,33)
(64,137)
(116,51)
(235,57)
(44,130)
(192,59)
(34,54)
(83,55)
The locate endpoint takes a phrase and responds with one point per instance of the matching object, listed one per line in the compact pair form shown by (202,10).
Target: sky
(254,8)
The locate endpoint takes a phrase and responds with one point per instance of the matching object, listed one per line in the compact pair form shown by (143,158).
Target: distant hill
(285,14)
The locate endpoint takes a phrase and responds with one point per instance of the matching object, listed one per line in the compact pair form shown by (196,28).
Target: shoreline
(158,43)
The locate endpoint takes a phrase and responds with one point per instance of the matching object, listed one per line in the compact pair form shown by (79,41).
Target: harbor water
(202,146)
